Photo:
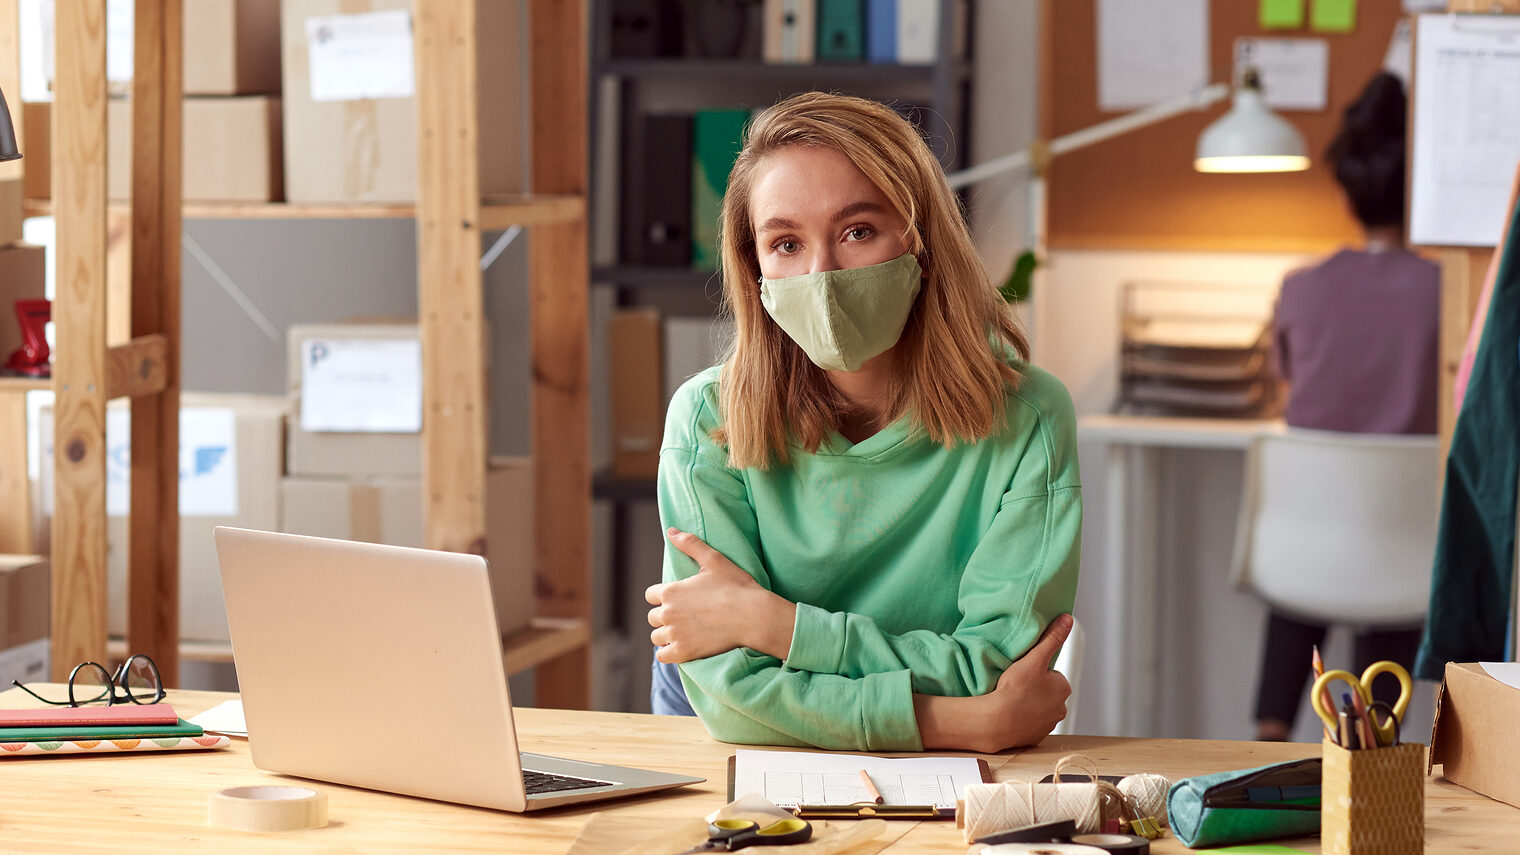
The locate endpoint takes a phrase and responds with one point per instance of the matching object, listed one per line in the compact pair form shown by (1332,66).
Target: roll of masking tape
(1038,849)
(1115,844)
(268,808)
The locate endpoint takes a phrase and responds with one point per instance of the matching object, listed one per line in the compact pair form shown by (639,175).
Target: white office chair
(1340,528)
(1069,663)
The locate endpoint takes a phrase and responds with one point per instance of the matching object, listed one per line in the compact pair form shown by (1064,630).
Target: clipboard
(870,811)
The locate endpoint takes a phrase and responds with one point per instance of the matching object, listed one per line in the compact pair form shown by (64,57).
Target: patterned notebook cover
(108,746)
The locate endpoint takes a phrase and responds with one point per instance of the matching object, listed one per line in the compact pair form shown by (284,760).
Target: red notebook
(117,715)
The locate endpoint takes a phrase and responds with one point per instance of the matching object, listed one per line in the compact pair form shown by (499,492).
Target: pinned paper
(1399,59)
(1151,51)
(1281,14)
(1332,16)
(354,57)
(1294,72)
(361,385)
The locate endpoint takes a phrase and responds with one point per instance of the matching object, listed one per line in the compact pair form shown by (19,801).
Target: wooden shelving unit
(451,216)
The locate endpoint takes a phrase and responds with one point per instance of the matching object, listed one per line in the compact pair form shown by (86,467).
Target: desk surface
(128,803)
(1175,432)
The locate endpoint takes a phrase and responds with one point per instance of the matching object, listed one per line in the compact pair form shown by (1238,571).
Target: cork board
(1139,191)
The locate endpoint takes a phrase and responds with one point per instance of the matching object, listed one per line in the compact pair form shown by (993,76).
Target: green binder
(716,138)
(77,732)
(841,30)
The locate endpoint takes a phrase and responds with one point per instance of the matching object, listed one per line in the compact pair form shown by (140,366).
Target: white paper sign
(1507,673)
(208,483)
(1466,128)
(1294,72)
(353,57)
(361,385)
(1150,51)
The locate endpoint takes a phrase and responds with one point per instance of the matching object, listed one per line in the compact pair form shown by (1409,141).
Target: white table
(1132,447)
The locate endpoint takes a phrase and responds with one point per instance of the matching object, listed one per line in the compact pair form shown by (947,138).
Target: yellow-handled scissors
(1387,732)
(728,835)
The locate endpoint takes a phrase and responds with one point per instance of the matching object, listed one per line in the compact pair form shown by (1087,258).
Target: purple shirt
(1356,337)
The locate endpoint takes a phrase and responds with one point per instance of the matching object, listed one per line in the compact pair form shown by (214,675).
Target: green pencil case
(1245,805)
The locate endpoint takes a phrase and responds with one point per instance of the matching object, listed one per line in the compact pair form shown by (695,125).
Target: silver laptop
(381,667)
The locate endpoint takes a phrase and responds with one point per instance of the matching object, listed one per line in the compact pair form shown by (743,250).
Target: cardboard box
(1474,735)
(346,454)
(231,459)
(37,149)
(638,400)
(509,541)
(389,510)
(27,663)
(10,210)
(365,150)
(25,603)
(232,47)
(232,150)
(22,277)
(379,510)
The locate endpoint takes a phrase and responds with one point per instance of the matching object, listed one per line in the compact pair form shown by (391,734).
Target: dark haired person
(1355,340)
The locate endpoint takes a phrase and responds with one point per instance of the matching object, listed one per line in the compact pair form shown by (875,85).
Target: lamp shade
(8,150)
(1250,138)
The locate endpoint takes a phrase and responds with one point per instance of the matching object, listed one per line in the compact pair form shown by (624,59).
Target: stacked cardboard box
(346,480)
(24,615)
(231,458)
(232,149)
(350,111)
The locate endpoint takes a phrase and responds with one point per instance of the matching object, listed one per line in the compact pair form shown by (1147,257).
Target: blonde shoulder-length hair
(952,357)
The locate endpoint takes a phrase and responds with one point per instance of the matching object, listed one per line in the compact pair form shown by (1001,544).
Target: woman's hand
(720,608)
(1027,704)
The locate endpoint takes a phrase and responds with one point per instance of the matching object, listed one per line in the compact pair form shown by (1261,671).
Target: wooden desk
(133,803)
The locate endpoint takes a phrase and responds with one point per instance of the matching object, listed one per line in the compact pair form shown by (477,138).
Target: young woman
(873,506)
(1356,337)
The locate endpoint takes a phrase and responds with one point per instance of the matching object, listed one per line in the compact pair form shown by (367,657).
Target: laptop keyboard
(538,783)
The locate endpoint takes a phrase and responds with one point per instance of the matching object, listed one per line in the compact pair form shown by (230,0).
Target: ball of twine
(1146,794)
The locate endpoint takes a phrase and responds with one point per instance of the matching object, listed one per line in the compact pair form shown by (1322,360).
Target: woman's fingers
(655,594)
(692,545)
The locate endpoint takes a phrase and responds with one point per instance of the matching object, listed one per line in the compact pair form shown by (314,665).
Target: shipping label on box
(357,385)
(354,57)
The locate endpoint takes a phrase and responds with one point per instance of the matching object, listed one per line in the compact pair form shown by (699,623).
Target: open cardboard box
(1474,736)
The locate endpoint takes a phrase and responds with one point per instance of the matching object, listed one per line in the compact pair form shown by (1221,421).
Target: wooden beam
(10,84)
(450,299)
(15,488)
(79,318)
(138,368)
(157,137)
(560,343)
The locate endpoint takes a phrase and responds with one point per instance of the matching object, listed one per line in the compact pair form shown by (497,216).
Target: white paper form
(1466,128)
(1150,51)
(225,718)
(1507,673)
(367,55)
(792,778)
(361,385)
(1294,72)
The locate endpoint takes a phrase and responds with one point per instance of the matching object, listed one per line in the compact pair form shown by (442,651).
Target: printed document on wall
(1466,128)
(1294,72)
(1151,51)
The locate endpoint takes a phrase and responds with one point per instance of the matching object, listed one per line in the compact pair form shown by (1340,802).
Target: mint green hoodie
(915,567)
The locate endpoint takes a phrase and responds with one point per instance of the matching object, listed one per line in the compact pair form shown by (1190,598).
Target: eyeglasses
(136,681)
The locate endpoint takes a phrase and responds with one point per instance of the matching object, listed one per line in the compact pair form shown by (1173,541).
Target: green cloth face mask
(841,318)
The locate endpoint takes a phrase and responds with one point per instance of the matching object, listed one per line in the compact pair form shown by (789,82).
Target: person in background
(872,507)
(1355,341)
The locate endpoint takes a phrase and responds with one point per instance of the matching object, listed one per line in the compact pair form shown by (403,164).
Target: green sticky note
(1332,16)
(1281,14)
(1259,849)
